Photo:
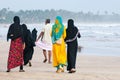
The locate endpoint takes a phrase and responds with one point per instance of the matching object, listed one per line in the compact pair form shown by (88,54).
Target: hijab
(34,34)
(24,28)
(16,20)
(15,29)
(57,29)
(71,30)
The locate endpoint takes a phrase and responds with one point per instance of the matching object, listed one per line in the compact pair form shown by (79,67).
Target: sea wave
(99,37)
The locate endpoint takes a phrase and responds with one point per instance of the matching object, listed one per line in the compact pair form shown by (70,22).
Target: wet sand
(88,68)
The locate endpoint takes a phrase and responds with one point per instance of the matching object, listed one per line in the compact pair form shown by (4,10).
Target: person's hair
(47,21)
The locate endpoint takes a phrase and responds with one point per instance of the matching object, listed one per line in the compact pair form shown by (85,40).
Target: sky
(70,5)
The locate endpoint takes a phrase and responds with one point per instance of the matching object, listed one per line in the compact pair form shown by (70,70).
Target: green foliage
(37,16)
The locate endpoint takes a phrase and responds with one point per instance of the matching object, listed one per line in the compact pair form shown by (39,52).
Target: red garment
(15,54)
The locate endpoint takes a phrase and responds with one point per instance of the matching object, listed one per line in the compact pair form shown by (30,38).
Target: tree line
(37,16)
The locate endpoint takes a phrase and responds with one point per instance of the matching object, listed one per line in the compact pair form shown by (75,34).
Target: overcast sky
(71,5)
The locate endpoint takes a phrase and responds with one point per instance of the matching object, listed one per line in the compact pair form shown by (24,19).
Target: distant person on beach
(17,45)
(72,45)
(29,44)
(59,50)
(45,43)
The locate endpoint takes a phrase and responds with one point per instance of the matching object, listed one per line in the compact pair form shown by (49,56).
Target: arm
(23,45)
(9,34)
(64,33)
(41,35)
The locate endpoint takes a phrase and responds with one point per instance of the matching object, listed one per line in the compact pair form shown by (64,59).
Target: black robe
(72,46)
(29,44)
(34,34)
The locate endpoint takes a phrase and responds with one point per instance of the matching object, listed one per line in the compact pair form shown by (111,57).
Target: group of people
(52,39)
(21,47)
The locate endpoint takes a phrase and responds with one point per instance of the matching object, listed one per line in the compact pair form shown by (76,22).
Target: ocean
(96,39)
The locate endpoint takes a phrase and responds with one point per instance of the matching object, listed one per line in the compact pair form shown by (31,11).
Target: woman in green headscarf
(59,51)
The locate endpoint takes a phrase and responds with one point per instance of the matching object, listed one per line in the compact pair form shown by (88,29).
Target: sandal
(21,70)
(72,71)
(60,70)
(8,71)
(30,64)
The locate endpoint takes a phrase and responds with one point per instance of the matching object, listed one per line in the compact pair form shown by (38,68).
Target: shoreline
(6,25)
(86,51)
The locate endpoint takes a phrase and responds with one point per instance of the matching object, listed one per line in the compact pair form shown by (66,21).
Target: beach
(89,67)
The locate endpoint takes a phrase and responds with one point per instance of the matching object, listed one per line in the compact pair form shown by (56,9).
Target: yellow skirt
(59,54)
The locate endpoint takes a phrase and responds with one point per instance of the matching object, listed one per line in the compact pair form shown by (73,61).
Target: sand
(88,68)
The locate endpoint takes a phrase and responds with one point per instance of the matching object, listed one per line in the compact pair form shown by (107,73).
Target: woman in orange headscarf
(59,51)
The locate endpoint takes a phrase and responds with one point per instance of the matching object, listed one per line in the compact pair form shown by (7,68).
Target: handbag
(59,41)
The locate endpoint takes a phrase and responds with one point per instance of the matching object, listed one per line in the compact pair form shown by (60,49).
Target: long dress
(28,51)
(72,44)
(15,33)
(59,52)
(15,54)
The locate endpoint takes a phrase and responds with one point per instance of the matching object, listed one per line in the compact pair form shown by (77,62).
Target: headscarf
(70,23)
(34,34)
(71,30)
(57,29)
(15,29)
(24,28)
(16,20)
(29,42)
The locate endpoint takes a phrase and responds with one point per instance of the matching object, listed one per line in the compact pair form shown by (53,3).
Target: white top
(47,34)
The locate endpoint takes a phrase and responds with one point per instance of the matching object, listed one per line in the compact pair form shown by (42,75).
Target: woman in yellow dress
(59,51)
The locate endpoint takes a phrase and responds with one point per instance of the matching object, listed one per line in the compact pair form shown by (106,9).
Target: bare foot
(49,62)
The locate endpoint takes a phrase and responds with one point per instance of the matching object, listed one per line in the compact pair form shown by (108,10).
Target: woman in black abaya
(29,44)
(72,45)
(15,57)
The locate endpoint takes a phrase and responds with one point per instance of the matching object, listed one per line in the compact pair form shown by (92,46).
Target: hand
(37,40)
(24,46)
